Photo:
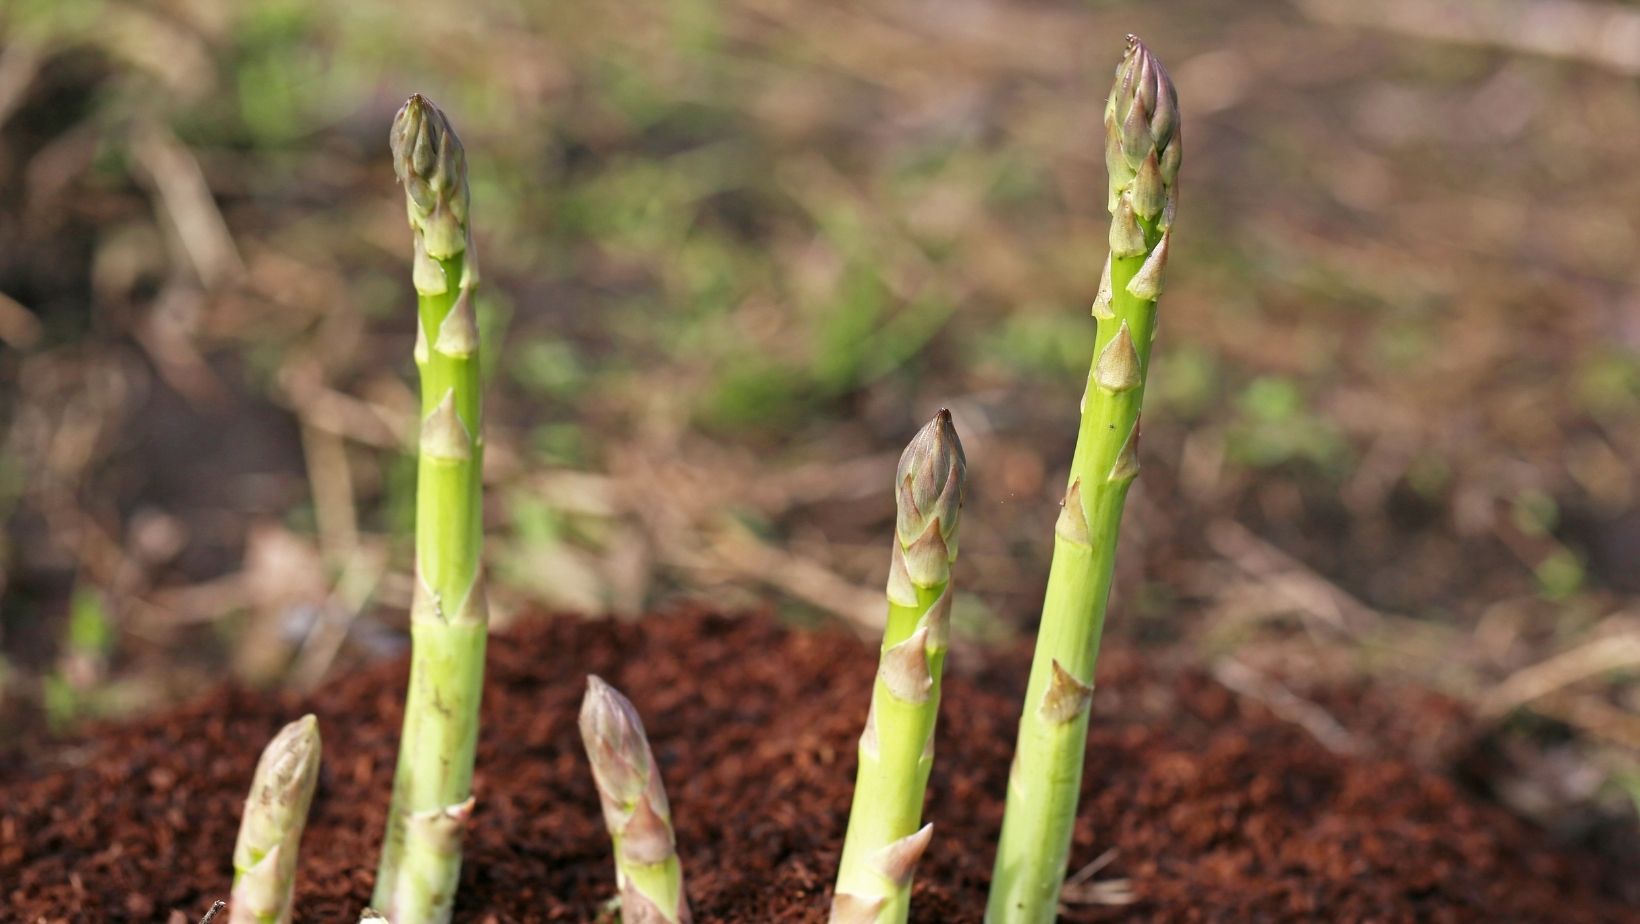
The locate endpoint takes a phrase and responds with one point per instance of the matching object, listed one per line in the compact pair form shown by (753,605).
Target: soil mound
(1217,811)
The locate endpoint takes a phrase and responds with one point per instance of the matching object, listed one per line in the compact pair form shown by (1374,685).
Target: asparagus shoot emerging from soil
(432,786)
(635,808)
(1142,149)
(884,839)
(270,832)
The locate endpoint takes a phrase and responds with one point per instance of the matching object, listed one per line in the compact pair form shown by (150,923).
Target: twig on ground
(1614,652)
(1082,889)
(331,481)
(738,550)
(366,567)
(185,196)
(1287,705)
(1087,872)
(1595,715)
(1307,589)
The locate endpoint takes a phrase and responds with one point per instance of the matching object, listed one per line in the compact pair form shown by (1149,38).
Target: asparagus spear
(1142,149)
(635,808)
(432,787)
(270,832)
(884,841)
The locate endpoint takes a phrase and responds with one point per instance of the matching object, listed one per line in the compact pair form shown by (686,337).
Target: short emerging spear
(270,831)
(886,836)
(636,811)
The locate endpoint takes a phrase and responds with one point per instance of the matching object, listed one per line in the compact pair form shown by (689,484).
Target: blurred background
(735,252)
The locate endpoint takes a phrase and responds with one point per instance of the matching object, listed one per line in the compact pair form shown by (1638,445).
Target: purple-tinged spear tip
(1142,146)
(616,744)
(432,165)
(931,478)
(634,806)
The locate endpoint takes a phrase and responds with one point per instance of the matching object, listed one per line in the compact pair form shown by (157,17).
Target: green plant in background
(884,840)
(69,692)
(432,786)
(635,808)
(1273,426)
(270,832)
(1142,150)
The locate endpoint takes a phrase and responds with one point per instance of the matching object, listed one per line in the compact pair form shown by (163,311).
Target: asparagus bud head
(931,477)
(1142,144)
(617,748)
(270,831)
(432,165)
(635,808)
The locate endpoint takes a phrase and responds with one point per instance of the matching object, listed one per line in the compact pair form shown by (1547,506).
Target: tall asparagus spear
(884,841)
(1142,149)
(635,808)
(432,787)
(270,832)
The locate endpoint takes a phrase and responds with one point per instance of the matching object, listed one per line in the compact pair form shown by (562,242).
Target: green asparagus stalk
(884,840)
(432,786)
(270,832)
(1142,149)
(635,808)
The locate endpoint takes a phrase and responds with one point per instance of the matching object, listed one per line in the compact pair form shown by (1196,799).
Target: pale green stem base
(421,853)
(435,769)
(658,884)
(890,785)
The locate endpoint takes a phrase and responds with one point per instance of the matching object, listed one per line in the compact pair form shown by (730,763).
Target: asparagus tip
(270,829)
(615,741)
(286,773)
(1142,147)
(634,804)
(932,475)
(432,166)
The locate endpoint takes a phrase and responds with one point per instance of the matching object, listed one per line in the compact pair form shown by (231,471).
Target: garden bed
(1217,810)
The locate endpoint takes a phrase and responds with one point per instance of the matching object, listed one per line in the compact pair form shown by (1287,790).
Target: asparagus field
(580,573)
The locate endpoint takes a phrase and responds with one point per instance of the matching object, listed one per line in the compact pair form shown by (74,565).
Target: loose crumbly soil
(1218,811)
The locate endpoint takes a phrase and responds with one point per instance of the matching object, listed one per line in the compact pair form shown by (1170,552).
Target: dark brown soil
(1219,811)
